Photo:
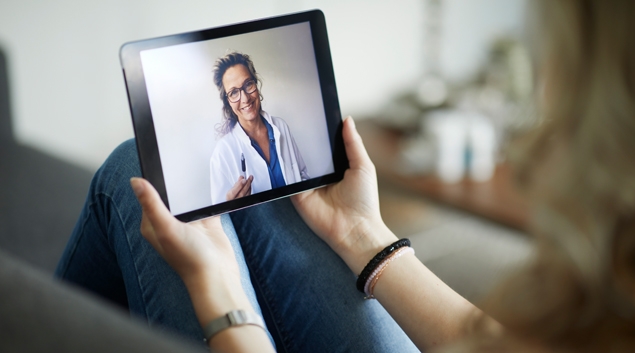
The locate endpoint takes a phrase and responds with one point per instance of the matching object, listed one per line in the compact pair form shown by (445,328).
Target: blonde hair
(578,169)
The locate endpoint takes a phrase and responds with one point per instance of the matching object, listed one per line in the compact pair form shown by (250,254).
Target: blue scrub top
(275,173)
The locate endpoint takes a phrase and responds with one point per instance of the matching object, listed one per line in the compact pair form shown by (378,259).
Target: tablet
(233,116)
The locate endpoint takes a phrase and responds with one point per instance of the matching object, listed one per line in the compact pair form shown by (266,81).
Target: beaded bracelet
(379,268)
(375,261)
(369,288)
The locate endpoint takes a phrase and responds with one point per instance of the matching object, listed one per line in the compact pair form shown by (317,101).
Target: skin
(201,254)
(346,216)
(247,109)
(240,189)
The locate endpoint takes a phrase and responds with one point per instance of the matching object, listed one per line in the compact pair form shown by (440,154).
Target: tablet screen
(237,118)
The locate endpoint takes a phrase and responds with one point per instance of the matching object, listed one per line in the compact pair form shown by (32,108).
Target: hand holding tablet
(234,116)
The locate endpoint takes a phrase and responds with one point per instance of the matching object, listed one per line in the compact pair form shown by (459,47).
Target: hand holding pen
(242,187)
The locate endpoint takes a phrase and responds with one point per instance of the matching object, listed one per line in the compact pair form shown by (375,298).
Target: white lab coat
(225,165)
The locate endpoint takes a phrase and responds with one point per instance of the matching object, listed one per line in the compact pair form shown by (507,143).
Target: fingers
(155,214)
(355,150)
(233,192)
(246,189)
(240,189)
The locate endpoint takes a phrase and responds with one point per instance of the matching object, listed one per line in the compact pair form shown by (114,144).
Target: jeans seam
(284,336)
(134,262)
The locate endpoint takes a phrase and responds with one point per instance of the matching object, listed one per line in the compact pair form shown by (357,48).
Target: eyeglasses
(248,87)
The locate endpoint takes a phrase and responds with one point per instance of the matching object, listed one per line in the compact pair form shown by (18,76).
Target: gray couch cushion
(39,314)
(40,201)
(40,195)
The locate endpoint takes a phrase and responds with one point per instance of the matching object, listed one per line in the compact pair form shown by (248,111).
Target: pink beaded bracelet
(369,287)
(377,270)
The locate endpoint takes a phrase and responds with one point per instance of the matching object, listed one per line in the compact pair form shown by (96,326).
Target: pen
(242,164)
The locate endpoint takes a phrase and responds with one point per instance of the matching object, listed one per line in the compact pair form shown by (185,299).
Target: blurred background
(439,88)
(67,91)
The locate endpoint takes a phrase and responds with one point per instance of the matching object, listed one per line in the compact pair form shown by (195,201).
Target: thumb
(154,210)
(355,150)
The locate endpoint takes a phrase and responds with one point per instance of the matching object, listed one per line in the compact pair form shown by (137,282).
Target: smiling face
(247,108)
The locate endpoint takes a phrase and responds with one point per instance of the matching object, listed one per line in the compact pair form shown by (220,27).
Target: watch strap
(232,318)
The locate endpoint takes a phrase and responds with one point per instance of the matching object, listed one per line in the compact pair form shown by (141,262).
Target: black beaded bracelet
(375,261)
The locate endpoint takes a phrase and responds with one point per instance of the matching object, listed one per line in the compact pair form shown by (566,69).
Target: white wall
(67,89)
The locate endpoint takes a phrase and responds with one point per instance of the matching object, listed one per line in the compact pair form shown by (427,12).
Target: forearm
(429,311)
(246,338)
(214,298)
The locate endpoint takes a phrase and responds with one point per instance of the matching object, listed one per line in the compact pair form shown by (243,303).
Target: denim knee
(119,167)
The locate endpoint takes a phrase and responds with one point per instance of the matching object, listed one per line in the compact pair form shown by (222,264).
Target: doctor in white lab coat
(257,151)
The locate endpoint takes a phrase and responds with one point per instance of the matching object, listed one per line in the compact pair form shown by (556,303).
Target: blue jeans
(304,291)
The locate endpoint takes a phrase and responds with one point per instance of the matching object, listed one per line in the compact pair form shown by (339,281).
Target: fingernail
(137,186)
(352,121)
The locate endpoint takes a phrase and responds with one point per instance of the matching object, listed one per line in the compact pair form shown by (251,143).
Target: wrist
(214,296)
(366,240)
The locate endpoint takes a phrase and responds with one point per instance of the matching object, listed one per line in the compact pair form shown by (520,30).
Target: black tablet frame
(143,124)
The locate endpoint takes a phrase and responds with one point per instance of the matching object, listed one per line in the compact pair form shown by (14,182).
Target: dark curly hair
(220,67)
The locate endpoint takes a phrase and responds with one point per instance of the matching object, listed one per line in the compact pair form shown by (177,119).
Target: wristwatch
(232,318)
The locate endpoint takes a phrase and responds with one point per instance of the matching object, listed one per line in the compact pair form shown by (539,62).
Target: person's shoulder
(279,122)
(224,144)
(277,118)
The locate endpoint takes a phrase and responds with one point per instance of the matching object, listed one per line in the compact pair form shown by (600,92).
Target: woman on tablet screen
(257,151)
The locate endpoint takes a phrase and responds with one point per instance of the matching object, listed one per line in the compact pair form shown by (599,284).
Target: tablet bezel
(146,140)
